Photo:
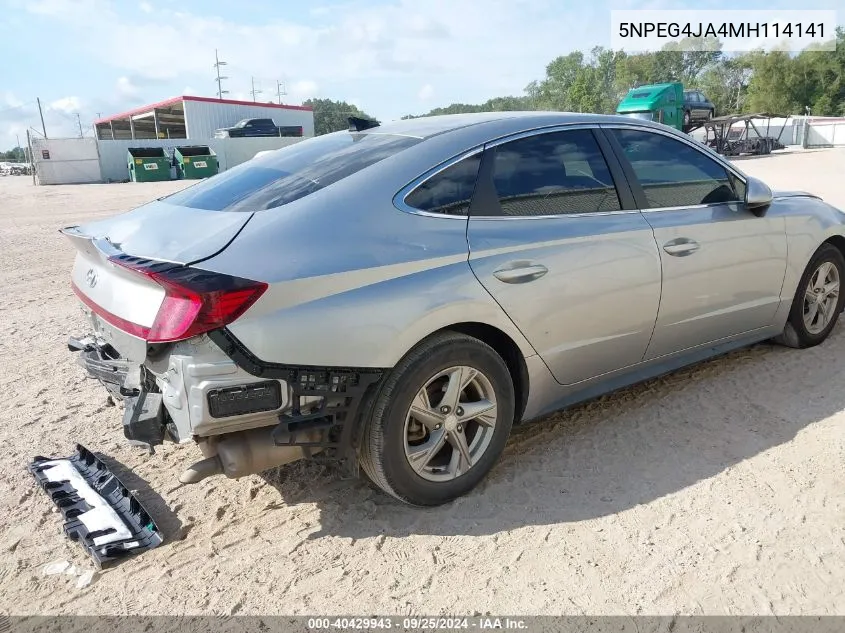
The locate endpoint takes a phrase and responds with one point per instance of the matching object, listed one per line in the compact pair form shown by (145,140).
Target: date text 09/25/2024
(416,623)
(739,30)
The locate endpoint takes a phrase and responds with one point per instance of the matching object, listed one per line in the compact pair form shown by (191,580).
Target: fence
(86,160)
(65,160)
(823,132)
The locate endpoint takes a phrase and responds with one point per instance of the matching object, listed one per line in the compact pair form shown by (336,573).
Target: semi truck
(667,103)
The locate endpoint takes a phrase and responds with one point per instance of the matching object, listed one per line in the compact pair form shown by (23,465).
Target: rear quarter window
(291,173)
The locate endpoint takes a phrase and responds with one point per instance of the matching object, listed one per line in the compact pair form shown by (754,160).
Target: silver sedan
(399,296)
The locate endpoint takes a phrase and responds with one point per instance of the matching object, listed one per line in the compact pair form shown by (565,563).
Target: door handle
(681,247)
(521,273)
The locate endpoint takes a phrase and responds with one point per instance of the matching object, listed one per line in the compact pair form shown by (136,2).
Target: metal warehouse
(192,117)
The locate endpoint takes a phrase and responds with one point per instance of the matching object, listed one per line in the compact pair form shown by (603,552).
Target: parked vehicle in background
(401,296)
(662,103)
(667,103)
(697,107)
(15,169)
(258,127)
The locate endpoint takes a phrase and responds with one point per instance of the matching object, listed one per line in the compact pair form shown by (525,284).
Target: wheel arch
(836,240)
(505,347)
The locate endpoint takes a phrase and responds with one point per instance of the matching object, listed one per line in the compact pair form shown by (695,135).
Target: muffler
(245,453)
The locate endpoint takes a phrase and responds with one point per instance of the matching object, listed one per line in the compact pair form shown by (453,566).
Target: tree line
(775,82)
(14,155)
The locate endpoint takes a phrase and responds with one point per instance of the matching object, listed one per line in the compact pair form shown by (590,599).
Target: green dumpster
(195,161)
(148,164)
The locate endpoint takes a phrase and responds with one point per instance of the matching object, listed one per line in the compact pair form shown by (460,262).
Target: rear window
(289,174)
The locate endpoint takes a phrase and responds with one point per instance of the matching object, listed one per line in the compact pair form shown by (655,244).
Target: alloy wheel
(821,298)
(450,423)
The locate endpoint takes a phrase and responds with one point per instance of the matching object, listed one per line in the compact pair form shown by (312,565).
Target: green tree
(333,116)
(774,84)
(726,84)
(497,104)
(14,155)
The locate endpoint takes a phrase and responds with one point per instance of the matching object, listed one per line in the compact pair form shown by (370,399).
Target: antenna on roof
(357,124)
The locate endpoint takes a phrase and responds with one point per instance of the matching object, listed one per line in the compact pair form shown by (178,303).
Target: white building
(189,117)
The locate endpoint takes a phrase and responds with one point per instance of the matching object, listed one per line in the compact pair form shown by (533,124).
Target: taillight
(195,301)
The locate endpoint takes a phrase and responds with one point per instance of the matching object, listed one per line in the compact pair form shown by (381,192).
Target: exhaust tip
(202,469)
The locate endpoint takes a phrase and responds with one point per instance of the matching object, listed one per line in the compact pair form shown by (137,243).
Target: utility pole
(79,123)
(254,92)
(217,65)
(280,91)
(43,127)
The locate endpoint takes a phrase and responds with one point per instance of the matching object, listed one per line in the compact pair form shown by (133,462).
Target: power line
(254,92)
(217,65)
(280,90)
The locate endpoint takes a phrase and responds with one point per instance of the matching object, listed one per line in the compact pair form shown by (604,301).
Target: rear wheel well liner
(836,240)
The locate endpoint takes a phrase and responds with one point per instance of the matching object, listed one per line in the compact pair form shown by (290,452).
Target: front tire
(440,421)
(818,300)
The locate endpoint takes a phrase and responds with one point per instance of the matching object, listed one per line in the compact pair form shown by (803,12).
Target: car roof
(503,122)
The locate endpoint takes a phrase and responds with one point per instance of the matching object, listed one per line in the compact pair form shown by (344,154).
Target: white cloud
(66,8)
(146,7)
(303,89)
(492,45)
(189,90)
(426,92)
(67,105)
(126,88)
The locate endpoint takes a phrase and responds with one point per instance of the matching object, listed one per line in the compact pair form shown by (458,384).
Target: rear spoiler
(84,242)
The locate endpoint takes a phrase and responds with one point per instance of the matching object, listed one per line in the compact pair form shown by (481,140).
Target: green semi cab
(668,103)
(663,103)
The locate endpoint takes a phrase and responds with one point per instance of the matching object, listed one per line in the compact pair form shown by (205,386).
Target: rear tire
(821,284)
(411,422)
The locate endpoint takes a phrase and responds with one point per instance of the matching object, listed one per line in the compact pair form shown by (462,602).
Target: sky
(388,57)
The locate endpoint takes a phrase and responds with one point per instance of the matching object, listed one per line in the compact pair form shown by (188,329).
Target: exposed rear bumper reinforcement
(342,390)
(100,512)
(103,364)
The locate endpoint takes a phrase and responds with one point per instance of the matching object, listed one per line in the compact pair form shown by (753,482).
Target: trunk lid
(119,302)
(167,232)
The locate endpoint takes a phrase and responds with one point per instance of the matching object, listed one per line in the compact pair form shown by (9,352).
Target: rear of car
(156,308)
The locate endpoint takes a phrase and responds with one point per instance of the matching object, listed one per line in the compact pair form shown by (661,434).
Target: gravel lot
(715,490)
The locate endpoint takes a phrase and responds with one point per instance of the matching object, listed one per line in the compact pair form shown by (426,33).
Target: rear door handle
(680,247)
(521,273)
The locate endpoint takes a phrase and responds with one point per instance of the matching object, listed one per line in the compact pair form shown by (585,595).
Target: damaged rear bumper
(100,513)
(144,418)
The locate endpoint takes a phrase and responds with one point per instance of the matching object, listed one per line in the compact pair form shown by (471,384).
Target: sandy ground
(716,490)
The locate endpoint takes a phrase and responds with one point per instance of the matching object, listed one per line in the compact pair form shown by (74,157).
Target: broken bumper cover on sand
(100,512)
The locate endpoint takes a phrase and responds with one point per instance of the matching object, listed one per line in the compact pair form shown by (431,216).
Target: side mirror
(758,196)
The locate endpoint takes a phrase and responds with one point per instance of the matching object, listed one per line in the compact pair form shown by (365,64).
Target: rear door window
(291,173)
(556,173)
